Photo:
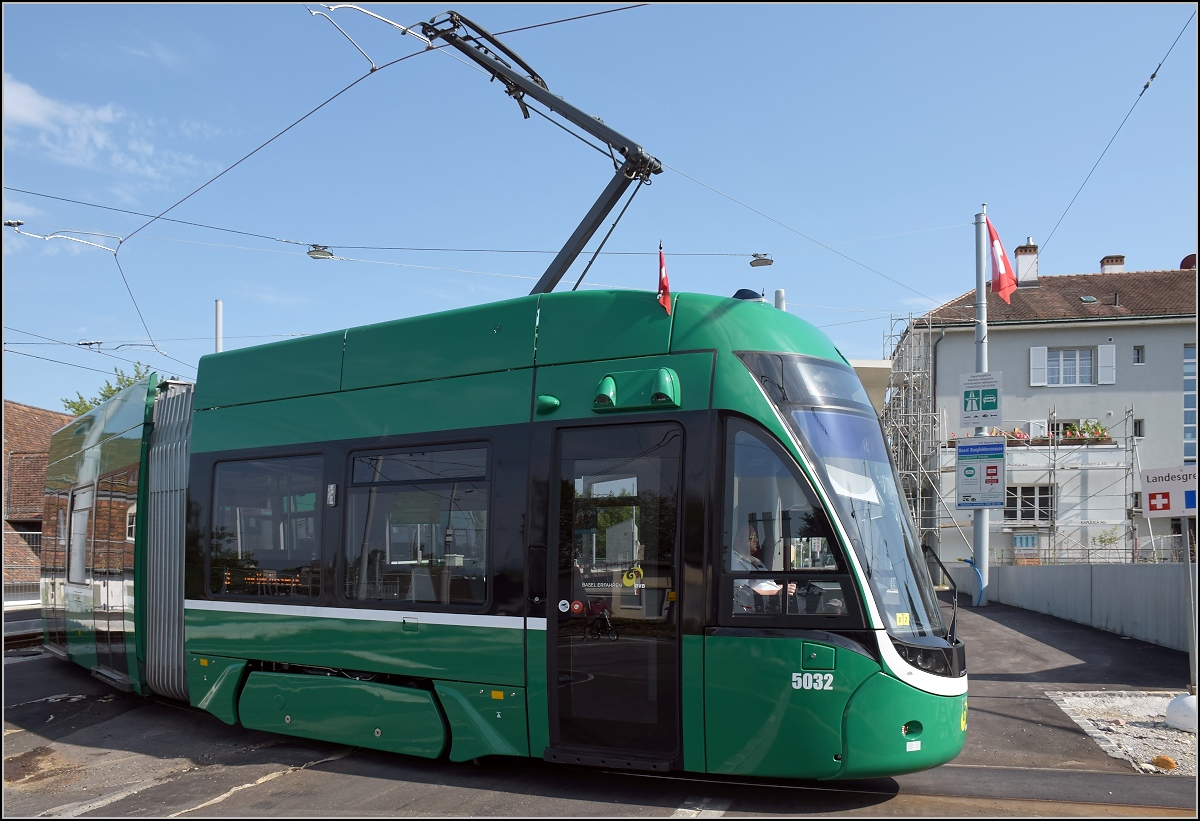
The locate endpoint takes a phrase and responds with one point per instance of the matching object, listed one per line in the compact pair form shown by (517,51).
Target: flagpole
(981,366)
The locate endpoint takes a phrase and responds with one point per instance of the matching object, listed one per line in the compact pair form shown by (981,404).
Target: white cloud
(99,138)
(19,209)
(71,134)
(157,53)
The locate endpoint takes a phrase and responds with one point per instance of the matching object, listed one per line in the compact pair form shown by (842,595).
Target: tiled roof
(1125,295)
(28,429)
(27,432)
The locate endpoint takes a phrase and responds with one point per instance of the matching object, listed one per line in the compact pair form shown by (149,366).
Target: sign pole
(981,366)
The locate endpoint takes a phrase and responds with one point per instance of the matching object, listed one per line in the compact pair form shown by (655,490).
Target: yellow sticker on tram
(902,619)
(498,695)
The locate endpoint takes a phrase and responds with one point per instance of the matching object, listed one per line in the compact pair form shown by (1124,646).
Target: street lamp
(760,260)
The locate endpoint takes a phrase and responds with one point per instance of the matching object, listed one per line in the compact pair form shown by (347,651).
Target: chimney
(1113,264)
(1027,264)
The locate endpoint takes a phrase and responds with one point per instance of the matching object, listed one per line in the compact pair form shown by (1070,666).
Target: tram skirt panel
(344,711)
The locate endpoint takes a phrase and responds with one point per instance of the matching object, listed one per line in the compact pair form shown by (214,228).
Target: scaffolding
(1063,461)
(910,418)
(1101,525)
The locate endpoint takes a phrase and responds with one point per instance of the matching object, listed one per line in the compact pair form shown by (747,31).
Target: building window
(1069,366)
(1139,428)
(1139,354)
(1136,501)
(1073,366)
(1189,403)
(131,523)
(1029,503)
(1062,426)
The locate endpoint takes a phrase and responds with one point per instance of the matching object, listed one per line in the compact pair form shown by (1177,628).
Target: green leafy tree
(80,406)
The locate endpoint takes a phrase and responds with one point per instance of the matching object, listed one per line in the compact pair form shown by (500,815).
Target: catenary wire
(801,233)
(1118,131)
(430,249)
(59,361)
(76,346)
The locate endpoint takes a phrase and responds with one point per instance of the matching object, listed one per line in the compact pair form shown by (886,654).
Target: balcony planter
(1086,440)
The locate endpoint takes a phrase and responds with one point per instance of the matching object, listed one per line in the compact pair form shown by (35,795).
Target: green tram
(405,536)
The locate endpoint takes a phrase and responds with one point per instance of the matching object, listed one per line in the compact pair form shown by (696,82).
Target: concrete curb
(1088,727)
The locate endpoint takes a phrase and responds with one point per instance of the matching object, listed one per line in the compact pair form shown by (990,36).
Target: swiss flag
(1004,282)
(1160,501)
(664,287)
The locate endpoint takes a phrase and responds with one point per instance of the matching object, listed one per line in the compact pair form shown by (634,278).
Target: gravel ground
(1132,725)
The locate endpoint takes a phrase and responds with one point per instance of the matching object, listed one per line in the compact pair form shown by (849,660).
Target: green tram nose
(786,708)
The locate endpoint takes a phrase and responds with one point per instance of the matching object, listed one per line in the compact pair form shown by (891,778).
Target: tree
(80,406)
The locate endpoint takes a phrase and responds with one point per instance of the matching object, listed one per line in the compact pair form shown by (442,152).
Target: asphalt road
(74,747)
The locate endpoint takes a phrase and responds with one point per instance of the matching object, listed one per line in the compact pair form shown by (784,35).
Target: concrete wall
(1142,601)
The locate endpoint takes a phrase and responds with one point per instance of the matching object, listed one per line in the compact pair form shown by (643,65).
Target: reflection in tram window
(779,537)
(266,527)
(616,631)
(418,527)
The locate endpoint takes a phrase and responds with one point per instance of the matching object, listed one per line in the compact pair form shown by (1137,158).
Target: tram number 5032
(812,681)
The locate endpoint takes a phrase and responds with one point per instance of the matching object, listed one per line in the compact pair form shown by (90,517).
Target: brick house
(27,432)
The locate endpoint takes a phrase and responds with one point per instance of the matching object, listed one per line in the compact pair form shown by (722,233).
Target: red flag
(664,287)
(1003,280)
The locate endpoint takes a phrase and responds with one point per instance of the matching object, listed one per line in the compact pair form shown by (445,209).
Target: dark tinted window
(417,527)
(266,527)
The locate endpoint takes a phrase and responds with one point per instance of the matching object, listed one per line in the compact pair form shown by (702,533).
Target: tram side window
(778,554)
(79,535)
(266,527)
(418,527)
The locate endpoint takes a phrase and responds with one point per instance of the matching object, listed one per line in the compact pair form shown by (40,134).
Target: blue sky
(852,143)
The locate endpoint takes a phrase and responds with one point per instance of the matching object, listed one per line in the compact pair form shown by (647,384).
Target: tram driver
(754,595)
(746,550)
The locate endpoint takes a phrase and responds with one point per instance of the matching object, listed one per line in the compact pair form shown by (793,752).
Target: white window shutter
(1037,366)
(1106,371)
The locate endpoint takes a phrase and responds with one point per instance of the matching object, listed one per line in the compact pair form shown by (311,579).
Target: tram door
(611,620)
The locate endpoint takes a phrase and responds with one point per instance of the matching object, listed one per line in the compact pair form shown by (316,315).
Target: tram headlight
(931,661)
(936,660)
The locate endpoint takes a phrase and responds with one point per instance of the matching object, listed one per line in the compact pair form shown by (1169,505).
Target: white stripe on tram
(357,614)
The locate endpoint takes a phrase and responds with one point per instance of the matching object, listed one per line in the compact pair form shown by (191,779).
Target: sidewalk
(1020,741)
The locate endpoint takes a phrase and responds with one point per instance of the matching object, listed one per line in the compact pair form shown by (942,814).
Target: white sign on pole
(979,404)
(1169,492)
(981,478)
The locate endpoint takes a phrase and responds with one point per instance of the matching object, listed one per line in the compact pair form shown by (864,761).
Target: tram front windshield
(827,408)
